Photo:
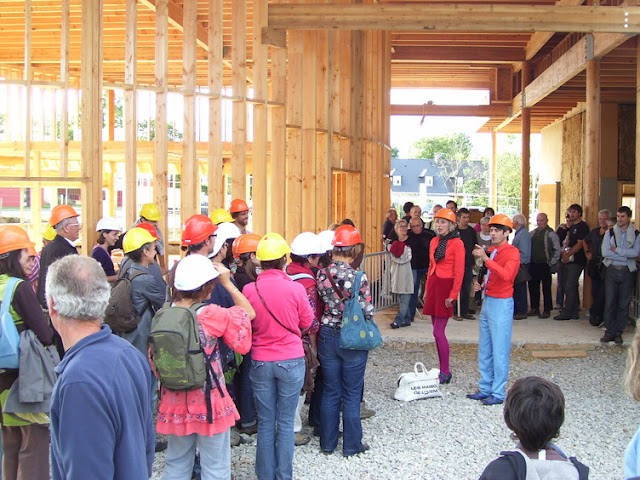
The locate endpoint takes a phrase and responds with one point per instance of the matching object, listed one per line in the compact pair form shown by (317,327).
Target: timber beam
(452,110)
(458,54)
(455,17)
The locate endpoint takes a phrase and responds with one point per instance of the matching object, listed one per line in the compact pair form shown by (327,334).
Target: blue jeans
(619,288)
(215,456)
(403,317)
(343,375)
(244,392)
(520,298)
(494,345)
(276,386)
(418,276)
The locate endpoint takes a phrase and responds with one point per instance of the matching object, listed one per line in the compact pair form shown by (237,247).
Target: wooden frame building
(287,104)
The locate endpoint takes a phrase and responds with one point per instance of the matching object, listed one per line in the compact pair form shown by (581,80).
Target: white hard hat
(326,239)
(108,223)
(307,243)
(224,232)
(193,271)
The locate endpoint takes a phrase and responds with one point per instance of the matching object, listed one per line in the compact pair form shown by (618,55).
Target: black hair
(461,211)
(625,209)
(575,207)
(249,266)
(534,411)
(136,255)
(325,260)
(455,204)
(228,258)
(347,221)
(299,259)
(407,207)
(277,264)
(488,209)
(197,247)
(10,264)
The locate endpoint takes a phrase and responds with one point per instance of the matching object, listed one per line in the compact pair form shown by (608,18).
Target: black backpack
(120,314)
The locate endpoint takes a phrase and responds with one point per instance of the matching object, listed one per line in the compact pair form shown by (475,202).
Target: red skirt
(436,292)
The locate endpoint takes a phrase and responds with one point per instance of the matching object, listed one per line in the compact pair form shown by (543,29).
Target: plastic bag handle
(422,368)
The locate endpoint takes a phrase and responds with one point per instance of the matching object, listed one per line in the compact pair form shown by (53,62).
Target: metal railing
(377,268)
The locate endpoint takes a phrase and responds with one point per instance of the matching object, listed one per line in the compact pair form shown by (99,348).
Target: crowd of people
(269,318)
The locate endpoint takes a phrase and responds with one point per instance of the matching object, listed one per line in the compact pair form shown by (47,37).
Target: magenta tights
(442,344)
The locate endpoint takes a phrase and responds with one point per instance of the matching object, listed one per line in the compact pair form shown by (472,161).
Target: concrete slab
(530,330)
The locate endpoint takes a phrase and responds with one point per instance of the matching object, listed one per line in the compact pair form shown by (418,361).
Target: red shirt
(451,266)
(504,268)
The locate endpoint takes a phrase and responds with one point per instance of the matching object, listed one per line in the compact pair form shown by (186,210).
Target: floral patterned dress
(184,413)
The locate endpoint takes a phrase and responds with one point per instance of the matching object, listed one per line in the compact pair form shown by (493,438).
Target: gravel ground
(455,438)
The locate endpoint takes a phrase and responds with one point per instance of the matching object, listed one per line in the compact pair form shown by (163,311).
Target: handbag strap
(338,290)
(8,294)
(297,334)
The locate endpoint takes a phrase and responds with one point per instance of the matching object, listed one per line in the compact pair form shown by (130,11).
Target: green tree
(395,152)
(147,131)
(451,152)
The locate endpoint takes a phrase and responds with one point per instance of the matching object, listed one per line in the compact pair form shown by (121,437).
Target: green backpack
(181,362)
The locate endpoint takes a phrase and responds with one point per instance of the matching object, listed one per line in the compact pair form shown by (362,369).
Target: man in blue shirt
(522,241)
(101,418)
(620,247)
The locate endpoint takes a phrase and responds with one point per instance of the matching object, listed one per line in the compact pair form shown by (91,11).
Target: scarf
(442,245)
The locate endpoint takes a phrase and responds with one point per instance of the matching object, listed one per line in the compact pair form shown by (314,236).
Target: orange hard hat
(447,214)
(13,238)
(247,243)
(197,229)
(345,236)
(238,205)
(60,213)
(149,228)
(501,219)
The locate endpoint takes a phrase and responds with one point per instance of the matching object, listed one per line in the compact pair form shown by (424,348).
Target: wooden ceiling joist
(471,54)
(452,110)
(455,17)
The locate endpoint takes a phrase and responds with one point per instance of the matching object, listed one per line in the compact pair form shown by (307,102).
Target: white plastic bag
(418,384)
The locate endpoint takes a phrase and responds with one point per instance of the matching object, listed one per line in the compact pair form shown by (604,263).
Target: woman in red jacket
(444,279)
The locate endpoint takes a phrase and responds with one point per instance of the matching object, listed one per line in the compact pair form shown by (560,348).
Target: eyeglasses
(416,226)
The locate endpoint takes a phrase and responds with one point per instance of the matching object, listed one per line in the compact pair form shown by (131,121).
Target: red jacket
(451,266)
(504,268)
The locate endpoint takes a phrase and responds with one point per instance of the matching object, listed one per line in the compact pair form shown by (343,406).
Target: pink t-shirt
(288,301)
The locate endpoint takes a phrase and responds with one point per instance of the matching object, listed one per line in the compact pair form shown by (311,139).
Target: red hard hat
(247,243)
(501,219)
(345,236)
(60,213)
(197,229)
(238,205)
(447,214)
(149,228)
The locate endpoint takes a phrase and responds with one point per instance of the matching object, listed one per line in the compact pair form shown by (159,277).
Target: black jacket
(58,248)
(511,466)
(419,244)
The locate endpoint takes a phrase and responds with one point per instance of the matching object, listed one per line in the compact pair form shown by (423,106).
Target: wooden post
(277,188)
(295,106)
(493,172)
(592,150)
(161,153)
(91,124)
(307,212)
(260,123)
(214,153)
(64,77)
(636,211)
(526,144)
(190,179)
(27,77)
(130,117)
(239,81)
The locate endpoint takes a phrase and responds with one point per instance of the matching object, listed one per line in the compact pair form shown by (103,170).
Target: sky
(405,130)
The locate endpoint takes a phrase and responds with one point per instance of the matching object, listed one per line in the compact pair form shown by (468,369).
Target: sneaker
(545,314)
(394,325)
(301,439)
(250,430)
(491,400)
(607,339)
(533,312)
(478,396)
(618,340)
(366,412)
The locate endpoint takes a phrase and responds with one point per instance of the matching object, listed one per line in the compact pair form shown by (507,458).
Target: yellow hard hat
(136,238)
(272,247)
(150,211)
(220,215)
(49,233)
